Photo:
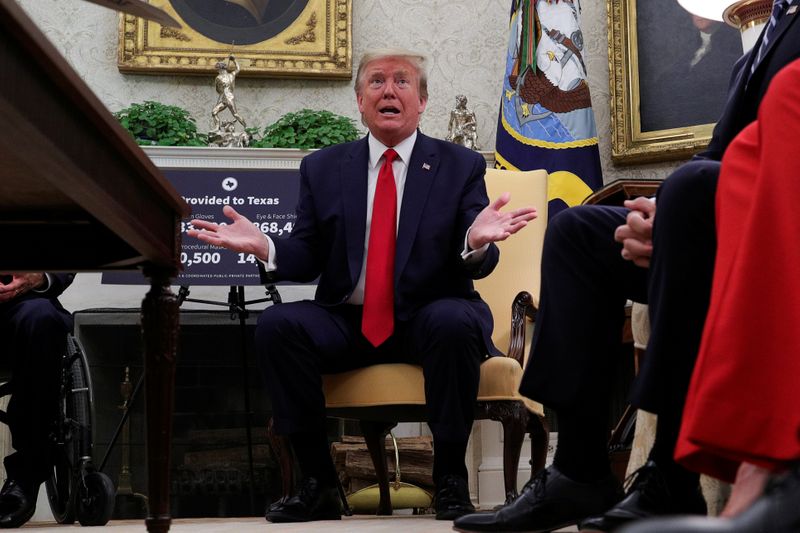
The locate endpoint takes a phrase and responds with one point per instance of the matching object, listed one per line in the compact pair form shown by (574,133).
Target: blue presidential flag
(546,119)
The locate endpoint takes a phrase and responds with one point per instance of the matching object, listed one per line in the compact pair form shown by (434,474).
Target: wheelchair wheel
(59,492)
(95,502)
(72,435)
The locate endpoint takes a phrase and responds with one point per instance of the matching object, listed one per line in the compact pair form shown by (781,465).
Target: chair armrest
(521,307)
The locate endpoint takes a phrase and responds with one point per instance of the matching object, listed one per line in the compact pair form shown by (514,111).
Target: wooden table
(77,194)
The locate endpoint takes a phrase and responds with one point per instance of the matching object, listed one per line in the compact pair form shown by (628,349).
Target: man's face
(389,99)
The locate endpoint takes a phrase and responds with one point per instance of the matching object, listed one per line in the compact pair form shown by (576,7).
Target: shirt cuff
(473,256)
(47,282)
(269,265)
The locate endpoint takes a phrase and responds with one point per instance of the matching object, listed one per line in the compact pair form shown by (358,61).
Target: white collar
(403,149)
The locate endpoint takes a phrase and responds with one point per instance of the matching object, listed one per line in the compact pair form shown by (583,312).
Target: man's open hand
(492,225)
(240,235)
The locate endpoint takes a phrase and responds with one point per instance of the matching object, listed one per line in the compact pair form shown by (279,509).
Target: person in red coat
(743,402)
(742,412)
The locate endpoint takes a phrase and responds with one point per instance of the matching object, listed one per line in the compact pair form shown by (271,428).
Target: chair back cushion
(521,254)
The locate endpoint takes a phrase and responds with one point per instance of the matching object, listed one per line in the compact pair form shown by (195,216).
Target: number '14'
(246,258)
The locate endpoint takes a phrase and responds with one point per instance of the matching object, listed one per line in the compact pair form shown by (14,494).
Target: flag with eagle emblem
(546,119)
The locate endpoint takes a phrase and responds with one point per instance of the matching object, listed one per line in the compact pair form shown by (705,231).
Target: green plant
(308,129)
(153,123)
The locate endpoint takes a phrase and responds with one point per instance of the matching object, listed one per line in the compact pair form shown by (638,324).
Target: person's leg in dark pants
(447,341)
(684,245)
(585,284)
(681,267)
(34,332)
(296,343)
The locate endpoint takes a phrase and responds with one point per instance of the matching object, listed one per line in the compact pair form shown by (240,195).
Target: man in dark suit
(396,226)
(586,279)
(34,328)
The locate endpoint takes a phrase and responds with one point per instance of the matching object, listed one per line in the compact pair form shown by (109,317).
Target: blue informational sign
(265,196)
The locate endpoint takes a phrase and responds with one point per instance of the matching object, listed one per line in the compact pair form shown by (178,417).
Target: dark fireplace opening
(210,472)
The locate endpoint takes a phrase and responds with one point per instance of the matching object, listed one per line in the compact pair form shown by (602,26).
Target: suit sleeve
(473,200)
(721,136)
(58,284)
(298,256)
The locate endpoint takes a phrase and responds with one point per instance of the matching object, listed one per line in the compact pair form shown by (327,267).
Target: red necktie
(377,322)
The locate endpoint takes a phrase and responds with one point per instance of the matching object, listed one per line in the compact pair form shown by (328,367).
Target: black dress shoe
(777,511)
(452,498)
(312,502)
(549,501)
(17,503)
(648,496)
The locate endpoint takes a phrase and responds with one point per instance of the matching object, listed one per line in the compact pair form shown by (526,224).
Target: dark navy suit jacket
(444,192)
(746,90)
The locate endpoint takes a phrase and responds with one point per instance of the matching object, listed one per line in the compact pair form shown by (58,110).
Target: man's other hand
(492,225)
(240,235)
(636,235)
(20,284)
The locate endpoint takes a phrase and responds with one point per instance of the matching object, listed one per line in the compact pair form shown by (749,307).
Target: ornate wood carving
(520,309)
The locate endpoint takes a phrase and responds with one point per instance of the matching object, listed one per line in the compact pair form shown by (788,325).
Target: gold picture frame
(631,143)
(313,41)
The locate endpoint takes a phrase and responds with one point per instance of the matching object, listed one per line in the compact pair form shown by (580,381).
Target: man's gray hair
(416,59)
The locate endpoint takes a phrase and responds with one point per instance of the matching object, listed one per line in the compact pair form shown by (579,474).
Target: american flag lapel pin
(426,166)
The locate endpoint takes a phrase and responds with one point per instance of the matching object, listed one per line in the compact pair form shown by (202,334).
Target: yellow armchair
(382,395)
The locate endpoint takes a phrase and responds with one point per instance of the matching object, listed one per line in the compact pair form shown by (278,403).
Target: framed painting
(275,38)
(669,79)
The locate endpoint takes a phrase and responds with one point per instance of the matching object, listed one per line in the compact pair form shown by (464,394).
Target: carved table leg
(160,335)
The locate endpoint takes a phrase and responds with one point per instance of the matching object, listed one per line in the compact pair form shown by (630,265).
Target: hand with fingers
(19,284)
(636,235)
(493,225)
(240,235)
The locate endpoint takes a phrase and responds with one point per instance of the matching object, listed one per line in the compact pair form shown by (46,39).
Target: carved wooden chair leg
(283,453)
(619,444)
(514,417)
(540,439)
(375,437)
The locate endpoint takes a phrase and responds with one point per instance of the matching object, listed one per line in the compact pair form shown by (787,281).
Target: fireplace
(211,474)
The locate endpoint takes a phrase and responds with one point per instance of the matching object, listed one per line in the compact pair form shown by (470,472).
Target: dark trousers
(34,332)
(298,342)
(684,246)
(585,283)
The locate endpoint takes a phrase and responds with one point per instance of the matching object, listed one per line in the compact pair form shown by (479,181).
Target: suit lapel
(422,170)
(786,20)
(353,176)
